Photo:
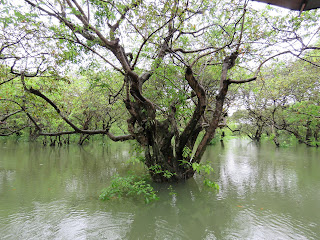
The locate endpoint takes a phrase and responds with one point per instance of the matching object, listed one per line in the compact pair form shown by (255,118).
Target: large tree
(176,59)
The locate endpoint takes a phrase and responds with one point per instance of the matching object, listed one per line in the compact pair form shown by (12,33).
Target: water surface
(265,193)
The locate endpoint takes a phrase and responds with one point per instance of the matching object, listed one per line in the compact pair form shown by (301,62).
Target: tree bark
(168,162)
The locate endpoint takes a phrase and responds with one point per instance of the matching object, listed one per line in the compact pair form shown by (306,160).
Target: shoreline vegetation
(224,134)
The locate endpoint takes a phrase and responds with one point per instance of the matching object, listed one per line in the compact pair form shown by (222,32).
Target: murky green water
(51,193)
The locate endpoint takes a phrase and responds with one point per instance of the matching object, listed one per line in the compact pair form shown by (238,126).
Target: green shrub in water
(129,186)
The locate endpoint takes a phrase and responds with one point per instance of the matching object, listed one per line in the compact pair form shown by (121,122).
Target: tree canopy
(285,100)
(158,70)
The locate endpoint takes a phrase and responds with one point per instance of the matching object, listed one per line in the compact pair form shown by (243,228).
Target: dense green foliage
(284,103)
(161,73)
(129,186)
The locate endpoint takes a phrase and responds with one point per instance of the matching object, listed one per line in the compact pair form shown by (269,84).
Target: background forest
(282,107)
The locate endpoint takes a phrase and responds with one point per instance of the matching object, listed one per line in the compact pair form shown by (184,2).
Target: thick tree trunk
(228,63)
(163,169)
(258,134)
(275,137)
(164,157)
(168,161)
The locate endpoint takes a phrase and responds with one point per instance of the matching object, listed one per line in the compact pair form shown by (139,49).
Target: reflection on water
(57,220)
(265,193)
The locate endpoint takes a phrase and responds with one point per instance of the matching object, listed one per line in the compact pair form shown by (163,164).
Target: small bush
(129,186)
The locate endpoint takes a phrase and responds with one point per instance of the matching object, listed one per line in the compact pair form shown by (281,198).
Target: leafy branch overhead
(160,71)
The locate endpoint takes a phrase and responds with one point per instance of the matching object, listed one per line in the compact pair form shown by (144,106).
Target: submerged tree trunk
(166,159)
(275,136)
(258,134)
(308,132)
(168,152)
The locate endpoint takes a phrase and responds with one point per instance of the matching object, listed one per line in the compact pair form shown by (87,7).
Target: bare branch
(81,10)
(242,26)
(193,33)
(206,54)
(24,110)
(102,57)
(198,111)
(11,114)
(91,132)
(306,60)
(14,131)
(241,81)
(9,80)
(114,27)
(39,94)
(311,48)
(192,51)
(84,32)
(268,59)
(146,40)
(26,74)
(119,138)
